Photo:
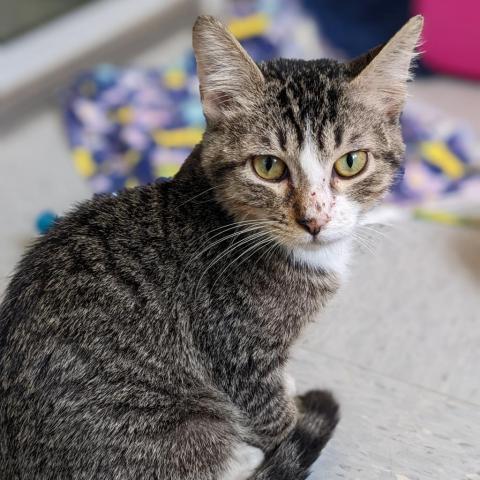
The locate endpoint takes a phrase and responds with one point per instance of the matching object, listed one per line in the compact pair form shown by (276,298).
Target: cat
(145,336)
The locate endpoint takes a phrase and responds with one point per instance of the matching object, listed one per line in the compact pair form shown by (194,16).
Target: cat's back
(84,247)
(93,276)
(91,350)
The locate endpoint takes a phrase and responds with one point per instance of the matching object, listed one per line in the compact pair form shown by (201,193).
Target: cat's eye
(351,164)
(269,168)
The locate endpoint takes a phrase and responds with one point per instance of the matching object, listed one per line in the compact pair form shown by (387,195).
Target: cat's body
(146,335)
(119,349)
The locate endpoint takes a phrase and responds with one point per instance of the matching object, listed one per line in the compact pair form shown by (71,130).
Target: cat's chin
(327,255)
(315,243)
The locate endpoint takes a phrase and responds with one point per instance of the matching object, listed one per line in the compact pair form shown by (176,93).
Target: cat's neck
(240,305)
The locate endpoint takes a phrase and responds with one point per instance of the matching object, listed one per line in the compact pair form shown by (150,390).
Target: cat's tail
(292,459)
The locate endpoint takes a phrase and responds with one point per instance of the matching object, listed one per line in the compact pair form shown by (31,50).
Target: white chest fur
(332,257)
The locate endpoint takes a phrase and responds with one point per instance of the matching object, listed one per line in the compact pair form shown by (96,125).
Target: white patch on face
(245,460)
(309,161)
(319,193)
(344,218)
(332,252)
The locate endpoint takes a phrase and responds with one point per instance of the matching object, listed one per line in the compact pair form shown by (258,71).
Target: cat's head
(300,150)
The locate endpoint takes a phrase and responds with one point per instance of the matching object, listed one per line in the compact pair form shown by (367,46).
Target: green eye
(351,164)
(269,168)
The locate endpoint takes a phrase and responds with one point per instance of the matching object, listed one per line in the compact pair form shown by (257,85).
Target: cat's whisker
(232,248)
(255,248)
(216,242)
(224,197)
(240,224)
(263,243)
(276,248)
(399,230)
(264,256)
(363,242)
(367,239)
(239,228)
(373,230)
(361,245)
(239,231)
(196,196)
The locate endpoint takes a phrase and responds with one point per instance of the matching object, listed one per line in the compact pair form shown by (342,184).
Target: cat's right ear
(230,80)
(381,76)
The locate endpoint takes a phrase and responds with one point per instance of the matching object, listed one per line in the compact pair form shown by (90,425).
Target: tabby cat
(145,336)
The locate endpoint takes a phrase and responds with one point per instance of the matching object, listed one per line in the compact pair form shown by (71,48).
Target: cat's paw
(245,460)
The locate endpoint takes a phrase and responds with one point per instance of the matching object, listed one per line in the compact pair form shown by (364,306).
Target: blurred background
(100,95)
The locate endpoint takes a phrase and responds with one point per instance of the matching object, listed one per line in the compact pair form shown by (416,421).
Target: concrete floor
(399,346)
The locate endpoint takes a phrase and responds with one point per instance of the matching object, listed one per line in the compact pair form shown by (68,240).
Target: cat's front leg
(272,410)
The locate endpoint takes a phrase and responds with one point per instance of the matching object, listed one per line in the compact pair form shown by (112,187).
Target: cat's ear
(382,74)
(229,78)
(356,65)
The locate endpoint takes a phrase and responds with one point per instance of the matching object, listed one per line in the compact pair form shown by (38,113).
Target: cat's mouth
(308,242)
(318,241)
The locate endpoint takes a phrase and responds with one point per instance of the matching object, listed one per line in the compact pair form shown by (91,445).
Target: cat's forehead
(286,68)
(309,99)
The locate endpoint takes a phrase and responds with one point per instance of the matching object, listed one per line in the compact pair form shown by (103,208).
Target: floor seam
(389,377)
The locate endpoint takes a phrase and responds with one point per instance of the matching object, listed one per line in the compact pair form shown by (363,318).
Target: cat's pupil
(268,163)
(350,160)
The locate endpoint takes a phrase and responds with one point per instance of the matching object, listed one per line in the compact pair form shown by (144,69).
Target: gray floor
(399,346)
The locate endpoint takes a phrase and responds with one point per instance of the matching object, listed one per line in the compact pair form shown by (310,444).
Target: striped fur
(146,335)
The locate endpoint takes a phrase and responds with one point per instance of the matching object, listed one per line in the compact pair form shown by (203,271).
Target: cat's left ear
(230,80)
(382,74)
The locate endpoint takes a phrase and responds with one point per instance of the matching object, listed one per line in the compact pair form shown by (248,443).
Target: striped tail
(292,459)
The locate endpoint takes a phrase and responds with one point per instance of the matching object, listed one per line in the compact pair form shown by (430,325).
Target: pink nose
(312,225)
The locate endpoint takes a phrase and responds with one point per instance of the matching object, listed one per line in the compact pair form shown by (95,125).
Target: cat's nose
(311,225)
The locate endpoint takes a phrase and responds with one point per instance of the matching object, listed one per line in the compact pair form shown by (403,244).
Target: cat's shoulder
(92,225)
(108,212)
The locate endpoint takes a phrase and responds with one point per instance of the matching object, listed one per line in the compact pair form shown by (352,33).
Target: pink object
(451,35)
